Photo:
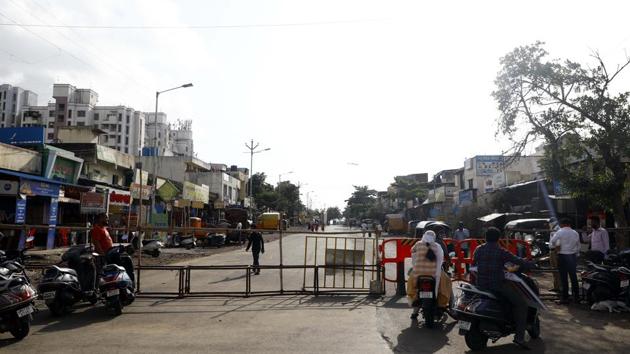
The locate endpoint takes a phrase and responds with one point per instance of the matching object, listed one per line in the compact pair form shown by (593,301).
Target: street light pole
(251,148)
(155,143)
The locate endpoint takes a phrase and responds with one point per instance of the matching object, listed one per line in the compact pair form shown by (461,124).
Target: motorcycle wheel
(534,331)
(23,326)
(114,306)
(475,340)
(156,253)
(428,312)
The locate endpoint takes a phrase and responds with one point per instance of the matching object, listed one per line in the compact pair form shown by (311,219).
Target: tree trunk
(621,221)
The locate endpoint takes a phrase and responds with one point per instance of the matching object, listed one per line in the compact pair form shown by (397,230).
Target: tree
(409,189)
(333,213)
(584,126)
(360,202)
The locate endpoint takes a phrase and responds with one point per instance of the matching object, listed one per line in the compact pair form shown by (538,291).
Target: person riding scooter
(427,257)
(100,236)
(490,259)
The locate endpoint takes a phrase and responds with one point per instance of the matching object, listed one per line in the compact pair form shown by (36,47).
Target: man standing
(258,246)
(566,241)
(490,259)
(100,236)
(239,228)
(599,240)
(461,234)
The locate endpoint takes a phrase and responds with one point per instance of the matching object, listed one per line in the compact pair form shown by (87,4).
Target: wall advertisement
(489,165)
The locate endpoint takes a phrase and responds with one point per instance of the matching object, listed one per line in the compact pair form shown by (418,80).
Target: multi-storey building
(170,139)
(123,127)
(12,99)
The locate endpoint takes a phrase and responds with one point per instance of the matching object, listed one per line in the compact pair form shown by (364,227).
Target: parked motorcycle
(482,315)
(17,297)
(176,240)
(61,288)
(601,283)
(117,281)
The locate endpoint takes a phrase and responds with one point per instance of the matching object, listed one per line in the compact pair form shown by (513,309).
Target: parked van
(269,221)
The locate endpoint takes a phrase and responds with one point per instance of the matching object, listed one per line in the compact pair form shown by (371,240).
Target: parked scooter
(117,281)
(176,240)
(150,247)
(17,296)
(482,315)
(601,283)
(61,288)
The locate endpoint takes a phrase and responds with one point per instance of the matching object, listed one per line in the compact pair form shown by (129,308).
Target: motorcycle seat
(113,268)
(66,270)
(481,292)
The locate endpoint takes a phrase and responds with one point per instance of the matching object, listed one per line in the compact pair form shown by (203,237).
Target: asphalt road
(289,323)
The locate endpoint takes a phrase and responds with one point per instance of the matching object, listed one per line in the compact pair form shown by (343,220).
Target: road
(288,323)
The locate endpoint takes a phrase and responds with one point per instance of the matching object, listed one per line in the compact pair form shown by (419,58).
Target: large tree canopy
(584,126)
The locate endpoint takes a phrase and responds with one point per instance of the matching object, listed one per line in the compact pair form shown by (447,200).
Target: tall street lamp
(252,150)
(283,173)
(155,144)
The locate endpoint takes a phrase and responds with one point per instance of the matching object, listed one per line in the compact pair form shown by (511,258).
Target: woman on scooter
(426,258)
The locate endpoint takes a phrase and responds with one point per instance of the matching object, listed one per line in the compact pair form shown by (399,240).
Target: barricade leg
(401,286)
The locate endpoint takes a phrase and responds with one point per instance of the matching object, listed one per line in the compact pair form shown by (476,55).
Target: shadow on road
(419,339)
(76,319)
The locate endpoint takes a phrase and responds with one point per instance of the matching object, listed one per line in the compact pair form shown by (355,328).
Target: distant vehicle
(269,221)
(536,232)
(411,227)
(440,228)
(395,224)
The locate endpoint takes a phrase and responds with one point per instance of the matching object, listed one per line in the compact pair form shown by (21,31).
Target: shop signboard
(195,192)
(159,220)
(466,197)
(8,187)
(34,188)
(22,135)
(93,203)
(182,203)
(498,180)
(20,211)
(119,198)
(489,165)
(197,205)
(146,191)
(488,185)
(64,170)
(168,191)
(52,223)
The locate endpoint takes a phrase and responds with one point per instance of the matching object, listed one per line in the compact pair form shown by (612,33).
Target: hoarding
(22,135)
(196,193)
(489,165)
(466,197)
(64,170)
(33,188)
(146,191)
(93,203)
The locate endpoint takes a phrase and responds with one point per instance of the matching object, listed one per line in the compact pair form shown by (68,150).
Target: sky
(342,92)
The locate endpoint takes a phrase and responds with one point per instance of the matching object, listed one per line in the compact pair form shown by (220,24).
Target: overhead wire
(126,76)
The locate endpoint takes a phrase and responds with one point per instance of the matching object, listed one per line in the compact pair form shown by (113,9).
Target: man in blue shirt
(490,259)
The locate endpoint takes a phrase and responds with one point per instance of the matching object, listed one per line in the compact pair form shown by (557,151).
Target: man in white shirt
(566,241)
(599,240)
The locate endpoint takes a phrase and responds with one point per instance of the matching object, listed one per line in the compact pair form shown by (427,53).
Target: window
(118,140)
(119,128)
(114,179)
(126,140)
(69,113)
(95,116)
(126,150)
(127,130)
(120,117)
(14,96)
(4,106)
(51,114)
(69,123)
(3,116)
(80,113)
(60,118)
(470,184)
(62,106)
(80,124)
(51,124)
(127,119)
(51,136)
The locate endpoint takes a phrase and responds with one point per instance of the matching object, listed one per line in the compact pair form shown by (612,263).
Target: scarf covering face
(428,237)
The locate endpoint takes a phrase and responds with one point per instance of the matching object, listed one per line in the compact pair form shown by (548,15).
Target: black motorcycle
(605,282)
(426,299)
(117,281)
(17,297)
(483,315)
(61,287)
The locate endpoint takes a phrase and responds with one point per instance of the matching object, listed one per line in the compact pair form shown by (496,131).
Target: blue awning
(38,178)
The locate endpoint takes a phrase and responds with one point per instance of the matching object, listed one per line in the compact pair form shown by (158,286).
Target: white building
(12,99)
(172,140)
(123,126)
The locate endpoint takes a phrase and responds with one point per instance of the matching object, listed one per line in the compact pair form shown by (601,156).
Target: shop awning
(38,178)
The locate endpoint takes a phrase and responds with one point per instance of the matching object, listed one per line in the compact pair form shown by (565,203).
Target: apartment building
(12,99)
